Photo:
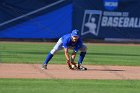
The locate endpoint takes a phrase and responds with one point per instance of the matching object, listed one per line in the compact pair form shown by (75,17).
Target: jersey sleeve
(65,43)
(65,40)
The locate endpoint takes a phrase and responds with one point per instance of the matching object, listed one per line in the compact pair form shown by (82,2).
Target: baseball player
(66,42)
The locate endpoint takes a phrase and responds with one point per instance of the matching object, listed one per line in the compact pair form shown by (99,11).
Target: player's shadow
(115,70)
(113,54)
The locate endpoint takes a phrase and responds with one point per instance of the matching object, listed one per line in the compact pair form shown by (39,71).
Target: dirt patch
(62,72)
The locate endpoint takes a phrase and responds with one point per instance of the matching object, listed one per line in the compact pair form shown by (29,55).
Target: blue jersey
(67,42)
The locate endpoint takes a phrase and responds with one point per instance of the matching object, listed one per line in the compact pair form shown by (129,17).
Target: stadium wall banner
(111,20)
(42,19)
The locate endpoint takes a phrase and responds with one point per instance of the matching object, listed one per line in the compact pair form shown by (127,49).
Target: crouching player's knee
(53,51)
(84,48)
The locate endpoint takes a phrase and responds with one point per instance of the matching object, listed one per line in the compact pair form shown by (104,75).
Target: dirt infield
(62,72)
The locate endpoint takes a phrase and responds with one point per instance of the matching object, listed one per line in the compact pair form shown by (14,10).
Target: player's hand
(69,64)
(74,66)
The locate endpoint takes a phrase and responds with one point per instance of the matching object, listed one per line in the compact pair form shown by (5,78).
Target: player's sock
(81,57)
(48,58)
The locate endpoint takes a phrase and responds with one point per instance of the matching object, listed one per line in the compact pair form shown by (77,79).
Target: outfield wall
(109,20)
(35,19)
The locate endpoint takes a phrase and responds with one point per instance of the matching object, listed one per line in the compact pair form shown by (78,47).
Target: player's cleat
(81,68)
(44,66)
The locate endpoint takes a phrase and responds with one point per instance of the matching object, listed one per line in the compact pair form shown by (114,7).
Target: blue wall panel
(107,19)
(50,25)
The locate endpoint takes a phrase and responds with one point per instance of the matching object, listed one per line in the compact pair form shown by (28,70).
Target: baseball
(73,66)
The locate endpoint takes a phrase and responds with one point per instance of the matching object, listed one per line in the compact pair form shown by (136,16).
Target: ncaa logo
(111,4)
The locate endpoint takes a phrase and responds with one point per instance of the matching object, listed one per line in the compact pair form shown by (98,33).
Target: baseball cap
(75,32)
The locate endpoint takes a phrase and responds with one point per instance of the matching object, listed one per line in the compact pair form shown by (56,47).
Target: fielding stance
(66,42)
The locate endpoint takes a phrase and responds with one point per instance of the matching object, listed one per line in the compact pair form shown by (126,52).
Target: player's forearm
(67,56)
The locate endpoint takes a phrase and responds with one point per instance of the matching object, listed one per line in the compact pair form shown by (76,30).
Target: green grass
(68,86)
(11,52)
